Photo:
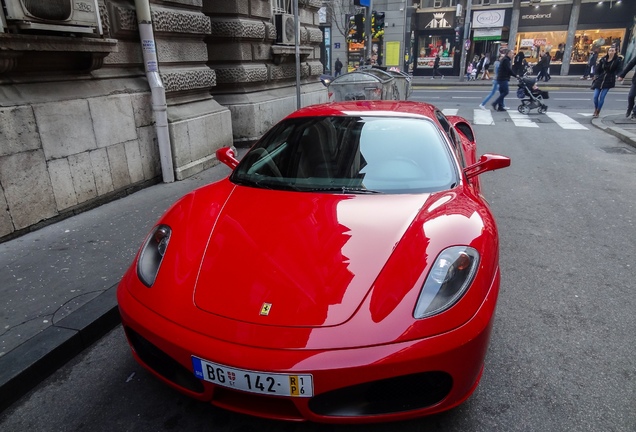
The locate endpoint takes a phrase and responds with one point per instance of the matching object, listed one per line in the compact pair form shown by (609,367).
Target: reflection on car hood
(299,259)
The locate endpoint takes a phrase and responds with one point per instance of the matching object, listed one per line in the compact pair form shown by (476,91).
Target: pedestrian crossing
(490,118)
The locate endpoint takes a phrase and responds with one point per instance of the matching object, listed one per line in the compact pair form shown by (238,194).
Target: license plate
(273,384)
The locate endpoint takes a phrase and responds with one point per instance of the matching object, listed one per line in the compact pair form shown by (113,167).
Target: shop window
(431,45)
(489,2)
(587,41)
(535,44)
(437,3)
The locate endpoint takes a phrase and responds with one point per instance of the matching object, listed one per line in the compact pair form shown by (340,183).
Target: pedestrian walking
(480,64)
(338,67)
(605,77)
(631,111)
(485,73)
(503,77)
(518,65)
(436,71)
(591,63)
(495,85)
(544,67)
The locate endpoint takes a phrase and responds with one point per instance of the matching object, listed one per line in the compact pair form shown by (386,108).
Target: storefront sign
(545,15)
(438,20)
(487,34)
(526,43)
(489,18)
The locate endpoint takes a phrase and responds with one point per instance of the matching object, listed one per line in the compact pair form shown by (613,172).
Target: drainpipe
(159,105)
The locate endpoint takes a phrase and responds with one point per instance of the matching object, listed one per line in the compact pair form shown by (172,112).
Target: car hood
(298,259)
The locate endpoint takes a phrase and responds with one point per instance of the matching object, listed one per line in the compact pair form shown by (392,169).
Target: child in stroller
(531,96)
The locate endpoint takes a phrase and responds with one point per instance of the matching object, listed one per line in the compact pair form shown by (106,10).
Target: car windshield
(350,155)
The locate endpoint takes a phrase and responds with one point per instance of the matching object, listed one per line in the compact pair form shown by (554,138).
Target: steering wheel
(266,159)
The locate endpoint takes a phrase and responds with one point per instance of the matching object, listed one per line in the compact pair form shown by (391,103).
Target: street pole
(464,52)
(297,44)
(369,30)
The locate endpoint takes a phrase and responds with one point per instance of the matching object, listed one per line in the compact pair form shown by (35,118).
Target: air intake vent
(57,10)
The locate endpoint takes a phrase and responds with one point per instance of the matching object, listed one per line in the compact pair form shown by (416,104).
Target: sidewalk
(58,284)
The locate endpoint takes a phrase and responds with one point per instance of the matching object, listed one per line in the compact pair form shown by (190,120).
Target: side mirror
(488,162)
(227,156)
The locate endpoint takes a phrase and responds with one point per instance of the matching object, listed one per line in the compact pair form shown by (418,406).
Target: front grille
(392,395)
(162,363)
(58,10)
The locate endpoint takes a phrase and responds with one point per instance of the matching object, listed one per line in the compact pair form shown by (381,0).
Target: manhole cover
(619,150)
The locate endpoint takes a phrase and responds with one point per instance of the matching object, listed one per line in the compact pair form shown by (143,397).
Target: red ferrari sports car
(346,271)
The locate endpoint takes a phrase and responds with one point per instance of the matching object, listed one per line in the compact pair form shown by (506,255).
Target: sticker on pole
(467,44)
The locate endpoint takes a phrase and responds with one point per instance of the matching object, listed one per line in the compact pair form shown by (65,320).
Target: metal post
(464,52)
(369,30)
(297,44)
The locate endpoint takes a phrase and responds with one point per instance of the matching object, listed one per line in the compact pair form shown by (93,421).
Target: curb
(30,363)
(620,133)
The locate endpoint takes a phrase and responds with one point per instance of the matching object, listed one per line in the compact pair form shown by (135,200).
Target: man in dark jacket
(518,66)
(631,111)
(338,66)
(503,78)
(436,71)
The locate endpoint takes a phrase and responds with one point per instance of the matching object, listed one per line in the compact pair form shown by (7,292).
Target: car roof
(388,108)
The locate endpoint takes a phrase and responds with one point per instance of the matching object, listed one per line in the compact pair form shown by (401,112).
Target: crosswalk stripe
(482,117)
(521,120)
(485,117)
(565,121)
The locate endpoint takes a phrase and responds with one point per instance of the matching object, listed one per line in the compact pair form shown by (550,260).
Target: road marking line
(521,120)
(564,121)
(482,117)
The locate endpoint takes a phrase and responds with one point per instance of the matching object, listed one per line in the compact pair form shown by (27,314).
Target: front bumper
(368,384)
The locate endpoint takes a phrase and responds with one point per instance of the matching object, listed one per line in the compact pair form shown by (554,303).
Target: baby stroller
(531,96)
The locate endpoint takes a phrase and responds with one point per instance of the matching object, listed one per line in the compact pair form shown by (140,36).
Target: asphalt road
(562,355)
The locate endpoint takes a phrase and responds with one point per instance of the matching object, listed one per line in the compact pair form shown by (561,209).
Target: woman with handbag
(605,77)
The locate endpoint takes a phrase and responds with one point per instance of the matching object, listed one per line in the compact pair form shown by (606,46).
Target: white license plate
(273,384)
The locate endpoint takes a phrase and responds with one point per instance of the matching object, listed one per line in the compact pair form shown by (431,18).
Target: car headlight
(449,278)
(152,254)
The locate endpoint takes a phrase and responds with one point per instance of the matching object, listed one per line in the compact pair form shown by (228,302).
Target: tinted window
(350,154)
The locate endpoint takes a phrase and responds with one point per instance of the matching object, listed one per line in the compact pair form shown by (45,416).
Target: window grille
(281,6)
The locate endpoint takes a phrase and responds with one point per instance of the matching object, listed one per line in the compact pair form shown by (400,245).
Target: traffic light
(378,24)
(355,31)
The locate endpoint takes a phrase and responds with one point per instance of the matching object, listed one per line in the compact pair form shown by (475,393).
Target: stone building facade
(76,119)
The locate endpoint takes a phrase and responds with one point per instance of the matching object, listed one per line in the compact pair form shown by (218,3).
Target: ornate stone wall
(76,121)
(256,76)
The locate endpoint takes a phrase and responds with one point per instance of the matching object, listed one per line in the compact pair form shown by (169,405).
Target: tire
(524,109)
(520,108)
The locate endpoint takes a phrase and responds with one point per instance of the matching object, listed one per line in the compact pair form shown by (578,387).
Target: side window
(457,143)
(452,134)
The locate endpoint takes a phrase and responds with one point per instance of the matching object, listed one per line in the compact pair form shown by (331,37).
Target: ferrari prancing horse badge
(266,308)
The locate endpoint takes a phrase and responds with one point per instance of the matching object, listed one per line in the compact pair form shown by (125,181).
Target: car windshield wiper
(265,183)
(343,189)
